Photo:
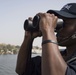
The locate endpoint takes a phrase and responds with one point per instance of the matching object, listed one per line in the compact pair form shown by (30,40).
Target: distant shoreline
(14,49)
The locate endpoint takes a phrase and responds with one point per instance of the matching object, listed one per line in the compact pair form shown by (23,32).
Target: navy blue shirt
(34,67)
(71,69)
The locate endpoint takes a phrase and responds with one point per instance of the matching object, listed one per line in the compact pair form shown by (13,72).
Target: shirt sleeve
(71,69)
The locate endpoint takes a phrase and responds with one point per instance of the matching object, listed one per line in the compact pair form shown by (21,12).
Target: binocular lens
(28,25)
(36,20)
(59,24)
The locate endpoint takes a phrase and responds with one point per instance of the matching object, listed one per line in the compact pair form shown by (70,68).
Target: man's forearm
(52,61)
(24,55)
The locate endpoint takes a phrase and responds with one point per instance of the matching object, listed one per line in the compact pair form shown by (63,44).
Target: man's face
(65,33)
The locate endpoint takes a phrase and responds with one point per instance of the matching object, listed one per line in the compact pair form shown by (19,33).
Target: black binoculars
(33,25)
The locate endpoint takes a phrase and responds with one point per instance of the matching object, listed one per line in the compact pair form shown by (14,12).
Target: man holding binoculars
(52,61)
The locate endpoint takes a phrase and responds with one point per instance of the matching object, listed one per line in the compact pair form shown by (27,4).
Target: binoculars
(33,25)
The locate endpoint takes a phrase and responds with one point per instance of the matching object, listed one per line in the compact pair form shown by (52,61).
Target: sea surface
(8,64)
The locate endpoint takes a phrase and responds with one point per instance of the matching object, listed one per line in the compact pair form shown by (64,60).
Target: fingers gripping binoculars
(33,25)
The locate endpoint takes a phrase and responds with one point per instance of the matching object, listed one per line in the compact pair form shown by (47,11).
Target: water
(8,64)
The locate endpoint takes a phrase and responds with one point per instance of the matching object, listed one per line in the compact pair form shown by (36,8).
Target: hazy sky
(13,13)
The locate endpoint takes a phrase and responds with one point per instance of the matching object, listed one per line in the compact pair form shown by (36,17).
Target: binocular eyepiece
(33,25)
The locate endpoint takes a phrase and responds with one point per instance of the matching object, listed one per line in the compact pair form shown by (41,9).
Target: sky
(13,13)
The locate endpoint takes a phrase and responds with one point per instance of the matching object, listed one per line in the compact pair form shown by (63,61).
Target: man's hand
(47,22)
